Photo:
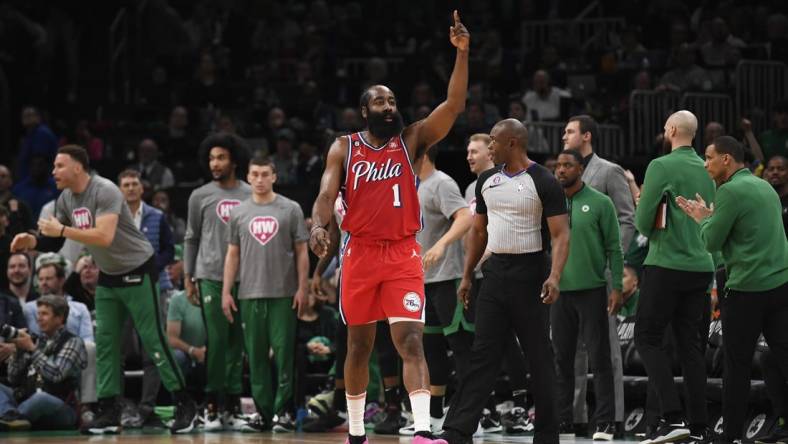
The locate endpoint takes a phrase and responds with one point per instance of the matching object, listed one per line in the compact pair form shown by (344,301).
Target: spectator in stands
(555,65)
(310,165)
(20,218)
(777,36)
(5,239)
(158,175)
(631,53)
(543,100)
(551,162)
(775,141)
(44,373)
(686,75)
(10,313)
(286,158)
(350,121)
(82,283)
(186,335)
(777,175)
(161,200)
(477,94)
(536,140)
(51,278)
(19,271)
(631,292)
(175,269)
(723,49)
(84,138)
(206,89)
(317,325)
(225,124)
(421,95)
(38,140)
(178,146)
(151,221)
(38,187)
(277,119)
(711,132)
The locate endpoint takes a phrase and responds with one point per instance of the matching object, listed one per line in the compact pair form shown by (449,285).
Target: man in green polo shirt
(677,272)
(744,222)
(584,304)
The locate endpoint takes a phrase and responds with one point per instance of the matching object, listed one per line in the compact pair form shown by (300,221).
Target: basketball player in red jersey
(381,269)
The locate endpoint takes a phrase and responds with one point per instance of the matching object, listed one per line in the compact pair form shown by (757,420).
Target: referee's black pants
(583,312)
(744,316)
(509,300)
(676,299)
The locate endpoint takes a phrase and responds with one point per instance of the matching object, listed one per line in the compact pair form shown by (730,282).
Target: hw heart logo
(82,218)
(224,207)
(263,228)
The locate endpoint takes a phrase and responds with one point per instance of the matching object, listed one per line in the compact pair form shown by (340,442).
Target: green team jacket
(747,227)
(678,246)
(594,241)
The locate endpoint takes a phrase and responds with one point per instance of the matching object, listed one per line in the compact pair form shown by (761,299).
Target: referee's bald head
(511,129)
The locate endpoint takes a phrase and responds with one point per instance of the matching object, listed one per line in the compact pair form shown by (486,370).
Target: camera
(9,332)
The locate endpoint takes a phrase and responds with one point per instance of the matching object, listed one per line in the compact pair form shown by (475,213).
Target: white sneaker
(436,426)
(237,422)
(479,431)
(212,420)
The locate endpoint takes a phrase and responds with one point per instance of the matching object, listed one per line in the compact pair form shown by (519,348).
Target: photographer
(44,372)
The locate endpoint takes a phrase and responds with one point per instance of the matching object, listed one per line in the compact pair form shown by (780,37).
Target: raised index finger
(456,17)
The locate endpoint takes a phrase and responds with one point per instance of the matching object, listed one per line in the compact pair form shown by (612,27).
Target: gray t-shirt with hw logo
(267,234)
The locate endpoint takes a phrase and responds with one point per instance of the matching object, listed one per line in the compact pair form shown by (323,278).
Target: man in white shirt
(543,100)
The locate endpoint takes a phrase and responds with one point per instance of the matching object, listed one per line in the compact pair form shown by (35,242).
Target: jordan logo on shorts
(82,218)
(412,302)
(263,228)
(224,207)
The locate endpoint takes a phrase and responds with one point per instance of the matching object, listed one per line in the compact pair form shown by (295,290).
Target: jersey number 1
(395,189)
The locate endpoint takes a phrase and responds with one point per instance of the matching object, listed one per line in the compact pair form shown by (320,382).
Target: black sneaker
(152,421)
(185,415)
(391,424)
(284,423)
(454,437)
(516,421)
(107,420)
(605,431)
(491,422)
(566,430)
(778,435)
(700,435)
(330,421)
(14,421)
(671,432)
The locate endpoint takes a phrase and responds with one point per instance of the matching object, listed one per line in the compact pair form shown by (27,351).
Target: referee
(91,211)
(520,208)
(677,273)
(745,224)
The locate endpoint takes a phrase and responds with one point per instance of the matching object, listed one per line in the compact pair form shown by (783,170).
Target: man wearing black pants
(584,305)
(520,209)
(677,273)
(745,224)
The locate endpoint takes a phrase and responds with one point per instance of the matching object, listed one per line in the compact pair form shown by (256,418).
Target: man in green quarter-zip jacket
(584,304)
(677,272)
(745,223)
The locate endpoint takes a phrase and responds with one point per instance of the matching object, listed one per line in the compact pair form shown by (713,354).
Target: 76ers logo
(412,302)
(82,218)
(263,228)
(224,207)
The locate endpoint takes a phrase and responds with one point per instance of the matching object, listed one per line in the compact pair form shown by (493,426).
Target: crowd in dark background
(287,75)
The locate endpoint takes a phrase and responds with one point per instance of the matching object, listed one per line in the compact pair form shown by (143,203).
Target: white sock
(420,405)
(355,413)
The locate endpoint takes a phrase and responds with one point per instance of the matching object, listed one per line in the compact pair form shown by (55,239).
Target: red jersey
(380,197)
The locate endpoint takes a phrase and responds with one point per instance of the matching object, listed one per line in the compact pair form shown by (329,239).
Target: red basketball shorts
(381,280)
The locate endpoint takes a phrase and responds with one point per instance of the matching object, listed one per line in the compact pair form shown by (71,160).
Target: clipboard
(661,220)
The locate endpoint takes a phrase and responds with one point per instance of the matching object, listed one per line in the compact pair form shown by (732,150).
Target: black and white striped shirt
(517,208)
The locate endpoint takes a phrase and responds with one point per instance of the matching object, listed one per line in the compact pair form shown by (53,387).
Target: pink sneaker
(424,440)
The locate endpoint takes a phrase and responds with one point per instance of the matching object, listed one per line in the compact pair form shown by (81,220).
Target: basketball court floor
(234,438)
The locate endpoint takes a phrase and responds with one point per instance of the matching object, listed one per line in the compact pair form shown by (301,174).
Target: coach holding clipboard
(677,273)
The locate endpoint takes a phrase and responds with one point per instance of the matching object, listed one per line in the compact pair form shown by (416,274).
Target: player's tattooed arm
(432,129)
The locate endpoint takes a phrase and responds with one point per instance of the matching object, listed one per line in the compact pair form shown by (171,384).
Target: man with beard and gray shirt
(267,242)
(205,244)
(91,210)
(446,219)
